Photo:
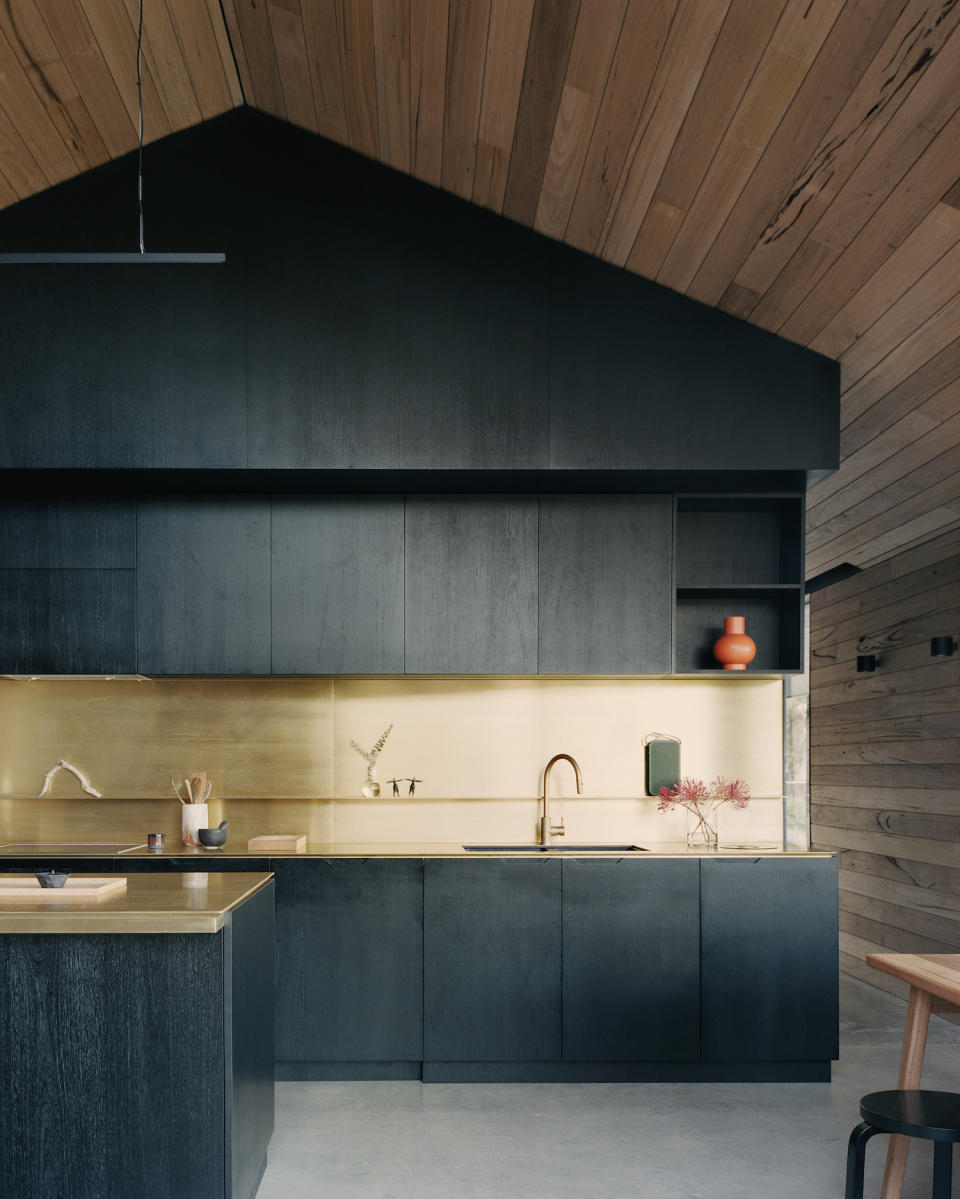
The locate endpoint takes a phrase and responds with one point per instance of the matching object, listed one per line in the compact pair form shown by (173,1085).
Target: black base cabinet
(491,968)
(631,961)
(769,962)
(349,987)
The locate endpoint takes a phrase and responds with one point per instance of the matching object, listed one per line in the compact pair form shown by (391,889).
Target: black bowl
(52,878)
(212,837)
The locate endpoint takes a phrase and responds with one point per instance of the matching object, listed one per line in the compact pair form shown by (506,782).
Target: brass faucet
(546,828)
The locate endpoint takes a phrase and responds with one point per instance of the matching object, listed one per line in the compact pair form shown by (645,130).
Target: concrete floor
(403,1140)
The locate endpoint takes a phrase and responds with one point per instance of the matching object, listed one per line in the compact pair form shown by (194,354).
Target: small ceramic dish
(212,838)
(52,878)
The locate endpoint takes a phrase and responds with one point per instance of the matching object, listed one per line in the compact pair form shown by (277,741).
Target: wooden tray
(278,843)
(26,889)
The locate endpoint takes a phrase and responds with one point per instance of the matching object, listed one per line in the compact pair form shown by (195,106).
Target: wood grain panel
(741,42)
(508,35)
(391,52)
(548,51)
(252,23)
(322,45)
(688,47)
(794,45)
(428,61)
(642,38)
(467,27)
(290,48)
(884,757)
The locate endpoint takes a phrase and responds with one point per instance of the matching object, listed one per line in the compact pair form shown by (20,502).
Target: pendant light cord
(140,115)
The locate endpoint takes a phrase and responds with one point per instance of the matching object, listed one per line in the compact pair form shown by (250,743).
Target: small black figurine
(413,785)
(395,783)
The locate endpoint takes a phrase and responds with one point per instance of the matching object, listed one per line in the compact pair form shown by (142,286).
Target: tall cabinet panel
(769,959)
(631,961)
(337,585)
(605,584)
(471,584)
(203,586)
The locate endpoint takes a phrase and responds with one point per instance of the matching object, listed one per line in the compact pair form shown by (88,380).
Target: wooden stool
(929,1115)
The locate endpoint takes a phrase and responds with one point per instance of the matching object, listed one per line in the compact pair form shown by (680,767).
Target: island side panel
(248,1014)
(111,1051)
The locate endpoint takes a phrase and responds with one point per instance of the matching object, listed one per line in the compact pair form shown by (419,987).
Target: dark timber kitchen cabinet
(631,960)
(336,584)
(349,993)
(203,585)
(605,565)
(471,584)
(769,934)
(492,962)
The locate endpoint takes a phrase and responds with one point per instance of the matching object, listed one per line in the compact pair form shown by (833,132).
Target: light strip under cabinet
(107,258)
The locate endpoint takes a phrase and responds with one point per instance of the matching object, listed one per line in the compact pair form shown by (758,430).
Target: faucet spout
(547,829)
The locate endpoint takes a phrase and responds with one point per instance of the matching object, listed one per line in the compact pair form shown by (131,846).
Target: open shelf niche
(739,556)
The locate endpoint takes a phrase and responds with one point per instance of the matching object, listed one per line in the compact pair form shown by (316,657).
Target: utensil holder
(193,817)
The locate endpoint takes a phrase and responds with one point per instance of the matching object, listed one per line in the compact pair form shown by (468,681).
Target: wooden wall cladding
(885,754)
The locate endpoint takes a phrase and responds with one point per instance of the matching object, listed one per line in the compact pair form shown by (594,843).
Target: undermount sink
(552,848)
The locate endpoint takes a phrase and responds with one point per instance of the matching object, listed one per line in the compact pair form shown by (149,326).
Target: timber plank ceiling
(793,162)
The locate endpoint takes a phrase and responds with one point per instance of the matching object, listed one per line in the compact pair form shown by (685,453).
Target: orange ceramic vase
(734,649)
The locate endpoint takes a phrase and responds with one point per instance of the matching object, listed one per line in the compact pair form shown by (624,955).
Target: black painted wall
(364,320)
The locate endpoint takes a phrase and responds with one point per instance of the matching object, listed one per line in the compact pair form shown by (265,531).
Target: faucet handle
(557,830)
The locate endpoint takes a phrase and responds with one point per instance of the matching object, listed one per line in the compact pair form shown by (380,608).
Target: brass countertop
(387,849)
(187,902)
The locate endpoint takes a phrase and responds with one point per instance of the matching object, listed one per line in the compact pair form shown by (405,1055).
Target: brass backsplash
(471,740)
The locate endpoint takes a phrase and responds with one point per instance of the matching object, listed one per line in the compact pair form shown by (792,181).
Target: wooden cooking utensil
(198,785)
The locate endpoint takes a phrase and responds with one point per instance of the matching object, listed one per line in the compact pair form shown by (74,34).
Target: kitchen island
(136,1039)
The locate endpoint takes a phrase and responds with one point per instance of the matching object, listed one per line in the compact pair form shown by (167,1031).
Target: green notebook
(663,765)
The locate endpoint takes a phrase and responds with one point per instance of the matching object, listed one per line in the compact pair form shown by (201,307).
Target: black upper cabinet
(203,586)
(644,378)
(605,584)
(67,586)
(471,584)
(390,325)
(337,585)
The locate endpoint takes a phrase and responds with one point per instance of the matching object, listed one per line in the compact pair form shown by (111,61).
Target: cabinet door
(631,961)
(606,570)
(491,972)
(769,959)
(203,586)
(67,586)
(336,567)
(471,584)
(349,960)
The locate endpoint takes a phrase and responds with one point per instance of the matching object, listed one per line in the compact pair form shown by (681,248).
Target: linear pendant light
(123,256)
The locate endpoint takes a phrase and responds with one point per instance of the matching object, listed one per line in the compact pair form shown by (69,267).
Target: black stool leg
(942,1169)
(856,1152)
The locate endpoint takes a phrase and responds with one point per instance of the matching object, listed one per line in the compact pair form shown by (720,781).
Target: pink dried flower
(734,791)
(688,792)
(699,796)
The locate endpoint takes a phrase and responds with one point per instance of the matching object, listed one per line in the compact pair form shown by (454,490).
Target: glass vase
(702,828)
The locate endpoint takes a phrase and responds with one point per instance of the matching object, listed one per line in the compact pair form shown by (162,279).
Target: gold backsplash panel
(479,746)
